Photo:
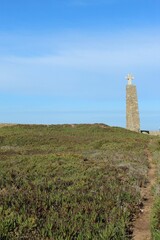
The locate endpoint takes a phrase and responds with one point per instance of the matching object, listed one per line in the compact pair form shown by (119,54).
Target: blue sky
(65,61)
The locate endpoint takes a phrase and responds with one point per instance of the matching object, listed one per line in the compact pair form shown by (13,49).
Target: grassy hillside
(155,220)
(70,181)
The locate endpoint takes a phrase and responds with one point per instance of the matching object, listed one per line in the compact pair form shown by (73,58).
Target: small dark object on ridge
(85,159)
(144,131)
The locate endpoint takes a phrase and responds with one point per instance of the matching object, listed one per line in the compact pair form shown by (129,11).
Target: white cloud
(66,66)
(123,53)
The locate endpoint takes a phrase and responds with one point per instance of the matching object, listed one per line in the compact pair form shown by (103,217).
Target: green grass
(70,182)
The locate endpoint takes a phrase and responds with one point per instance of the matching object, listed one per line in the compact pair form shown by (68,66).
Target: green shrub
(70,182)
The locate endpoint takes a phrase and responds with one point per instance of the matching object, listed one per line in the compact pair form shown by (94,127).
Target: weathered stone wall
(155,133)
(132,112)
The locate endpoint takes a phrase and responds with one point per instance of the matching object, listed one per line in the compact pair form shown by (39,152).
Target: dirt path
(142,223)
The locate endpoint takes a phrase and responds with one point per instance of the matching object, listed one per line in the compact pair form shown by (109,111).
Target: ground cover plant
(155,219)
(70,181)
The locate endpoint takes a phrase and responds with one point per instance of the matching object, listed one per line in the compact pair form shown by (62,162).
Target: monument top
(129,78)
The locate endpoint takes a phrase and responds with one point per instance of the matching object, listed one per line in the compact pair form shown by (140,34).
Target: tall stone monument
(132,112)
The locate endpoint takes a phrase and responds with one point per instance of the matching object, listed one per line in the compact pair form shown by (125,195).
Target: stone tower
(132,112)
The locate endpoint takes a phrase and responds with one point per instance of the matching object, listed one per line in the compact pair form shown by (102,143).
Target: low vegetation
(155,219)
(70,181)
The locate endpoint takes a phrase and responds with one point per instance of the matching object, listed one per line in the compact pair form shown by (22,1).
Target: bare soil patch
(6,124)
(141,229)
